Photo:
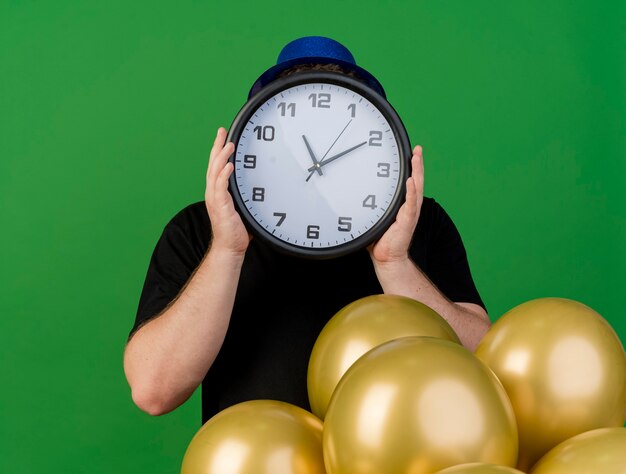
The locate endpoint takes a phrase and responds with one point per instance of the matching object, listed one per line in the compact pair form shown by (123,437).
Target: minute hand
(334,157)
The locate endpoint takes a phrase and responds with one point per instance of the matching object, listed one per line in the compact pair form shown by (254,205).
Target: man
(221,309)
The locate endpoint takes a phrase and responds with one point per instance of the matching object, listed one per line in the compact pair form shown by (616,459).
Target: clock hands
(316,164)
(333,158)
(333,144)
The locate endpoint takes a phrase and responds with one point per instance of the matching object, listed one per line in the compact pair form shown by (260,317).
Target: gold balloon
(257,437)
(479,468)
(417,405)
(359,327)
(599,451)
(563,367)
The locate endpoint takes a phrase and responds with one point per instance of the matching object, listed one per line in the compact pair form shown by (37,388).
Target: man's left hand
(394,244)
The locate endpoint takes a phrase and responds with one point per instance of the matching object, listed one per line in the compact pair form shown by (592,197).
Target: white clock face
(317,165)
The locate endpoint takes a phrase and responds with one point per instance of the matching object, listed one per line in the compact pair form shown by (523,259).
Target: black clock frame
(404,152)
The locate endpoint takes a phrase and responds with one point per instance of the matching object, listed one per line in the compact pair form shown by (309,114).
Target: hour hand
(316,164)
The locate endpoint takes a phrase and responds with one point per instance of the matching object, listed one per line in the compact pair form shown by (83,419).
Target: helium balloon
(417,404)
(563,367)
(479,468)
(257,437)
(601,451)
(359,327)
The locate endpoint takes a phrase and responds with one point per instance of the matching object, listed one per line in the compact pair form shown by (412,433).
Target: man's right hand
(229,232)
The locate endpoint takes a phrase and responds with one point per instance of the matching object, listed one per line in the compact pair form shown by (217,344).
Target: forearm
(167,359)
(405,278)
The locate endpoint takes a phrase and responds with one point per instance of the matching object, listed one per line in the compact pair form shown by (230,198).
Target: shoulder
(194,214)
(429,204)
(191,224)
(433,215)
(435,228)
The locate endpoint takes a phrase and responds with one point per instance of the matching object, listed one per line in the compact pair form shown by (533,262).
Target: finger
(222,196)
(221,159)
(417,163)
(219,162)
(218,145)
(407,211)
(411,197)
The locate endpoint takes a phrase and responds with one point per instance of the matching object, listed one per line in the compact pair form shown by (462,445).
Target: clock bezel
(404,152)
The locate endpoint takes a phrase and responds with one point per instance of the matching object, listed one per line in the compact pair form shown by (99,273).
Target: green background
(107,113)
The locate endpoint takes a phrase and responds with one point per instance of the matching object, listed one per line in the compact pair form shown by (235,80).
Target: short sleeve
(173,261)
(448,266)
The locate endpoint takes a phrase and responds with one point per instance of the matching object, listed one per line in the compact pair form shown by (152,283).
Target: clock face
(319,165)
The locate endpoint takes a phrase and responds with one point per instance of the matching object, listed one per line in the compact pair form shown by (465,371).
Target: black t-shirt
(278,312)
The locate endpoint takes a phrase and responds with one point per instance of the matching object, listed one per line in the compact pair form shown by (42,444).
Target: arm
(168,357)
(398,274)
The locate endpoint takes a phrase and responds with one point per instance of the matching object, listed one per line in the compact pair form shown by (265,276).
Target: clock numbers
(370,201)
(281,217)
(283,106)
(258,194)
(266,132)
(321,100)
(383,170)
(313,232)
(344,224)
(352,109)
(376,138)
(249,161)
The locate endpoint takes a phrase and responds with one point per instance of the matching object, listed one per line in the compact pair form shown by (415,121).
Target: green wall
(107,113)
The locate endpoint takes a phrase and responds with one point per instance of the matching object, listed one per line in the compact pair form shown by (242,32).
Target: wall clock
(321,162)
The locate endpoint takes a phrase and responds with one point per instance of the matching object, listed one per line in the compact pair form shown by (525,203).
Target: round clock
(321,162)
